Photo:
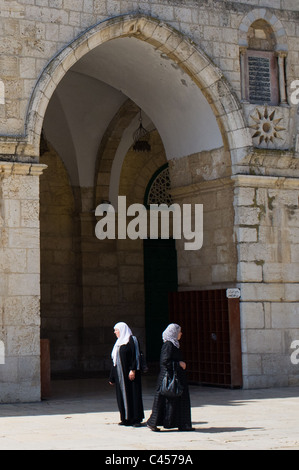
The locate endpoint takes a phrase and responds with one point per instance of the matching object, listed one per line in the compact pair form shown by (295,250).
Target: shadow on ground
(75,396)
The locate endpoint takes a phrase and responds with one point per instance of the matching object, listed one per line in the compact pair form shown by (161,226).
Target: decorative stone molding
(25,169)
(37,169)
(262,181)
(250,181)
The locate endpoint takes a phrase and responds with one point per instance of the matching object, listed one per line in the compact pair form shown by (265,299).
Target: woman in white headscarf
(126,375)
(171,412)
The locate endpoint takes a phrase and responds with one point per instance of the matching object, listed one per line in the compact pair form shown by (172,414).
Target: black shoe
(186,428)
(153,428)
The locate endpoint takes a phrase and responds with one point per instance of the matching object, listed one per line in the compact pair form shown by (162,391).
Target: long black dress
(128,392)
(171,412)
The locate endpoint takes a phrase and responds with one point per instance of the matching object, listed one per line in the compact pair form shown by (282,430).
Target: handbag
(143,364)
(171,386)
(140,358)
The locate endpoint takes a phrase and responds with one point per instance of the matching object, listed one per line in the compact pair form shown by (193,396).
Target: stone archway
(180,50)
(112,274)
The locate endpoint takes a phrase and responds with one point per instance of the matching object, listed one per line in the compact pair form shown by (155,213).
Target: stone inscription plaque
(259,80)
(233,293)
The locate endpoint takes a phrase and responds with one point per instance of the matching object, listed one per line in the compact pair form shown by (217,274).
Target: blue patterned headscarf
(171,334)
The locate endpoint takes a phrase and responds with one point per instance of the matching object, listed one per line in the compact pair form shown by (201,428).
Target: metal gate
(211,341)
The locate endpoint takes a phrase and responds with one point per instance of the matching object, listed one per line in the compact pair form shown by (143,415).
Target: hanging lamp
(141,138)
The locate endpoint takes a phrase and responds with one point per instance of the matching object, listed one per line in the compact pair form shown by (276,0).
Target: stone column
(20,281)
(282,79)
(243,58)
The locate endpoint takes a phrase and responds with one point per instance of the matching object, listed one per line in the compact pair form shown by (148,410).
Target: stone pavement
(82,415)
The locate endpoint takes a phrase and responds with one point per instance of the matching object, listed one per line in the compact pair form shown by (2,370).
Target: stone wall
(204,179)
(267,230)
(250,196)
(250,241)
(19,281)
(61,277)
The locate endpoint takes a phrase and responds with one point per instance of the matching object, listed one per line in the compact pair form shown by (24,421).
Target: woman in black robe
(171,412)
(126,376)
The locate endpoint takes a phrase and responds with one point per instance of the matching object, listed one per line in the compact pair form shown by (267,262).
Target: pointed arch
(181,50)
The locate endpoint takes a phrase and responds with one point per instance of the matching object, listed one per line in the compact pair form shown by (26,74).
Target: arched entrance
(88,101)
(170,44)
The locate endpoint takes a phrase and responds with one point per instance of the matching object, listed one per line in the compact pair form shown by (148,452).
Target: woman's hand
(183,365)
(132,375)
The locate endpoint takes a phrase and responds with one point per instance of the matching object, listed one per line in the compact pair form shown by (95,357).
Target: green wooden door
(160,278)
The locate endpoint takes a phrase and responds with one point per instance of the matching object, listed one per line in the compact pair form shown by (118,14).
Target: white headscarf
(124,338)
(171,334)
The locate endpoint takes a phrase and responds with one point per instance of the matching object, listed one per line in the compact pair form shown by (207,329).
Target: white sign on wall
(233,293)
